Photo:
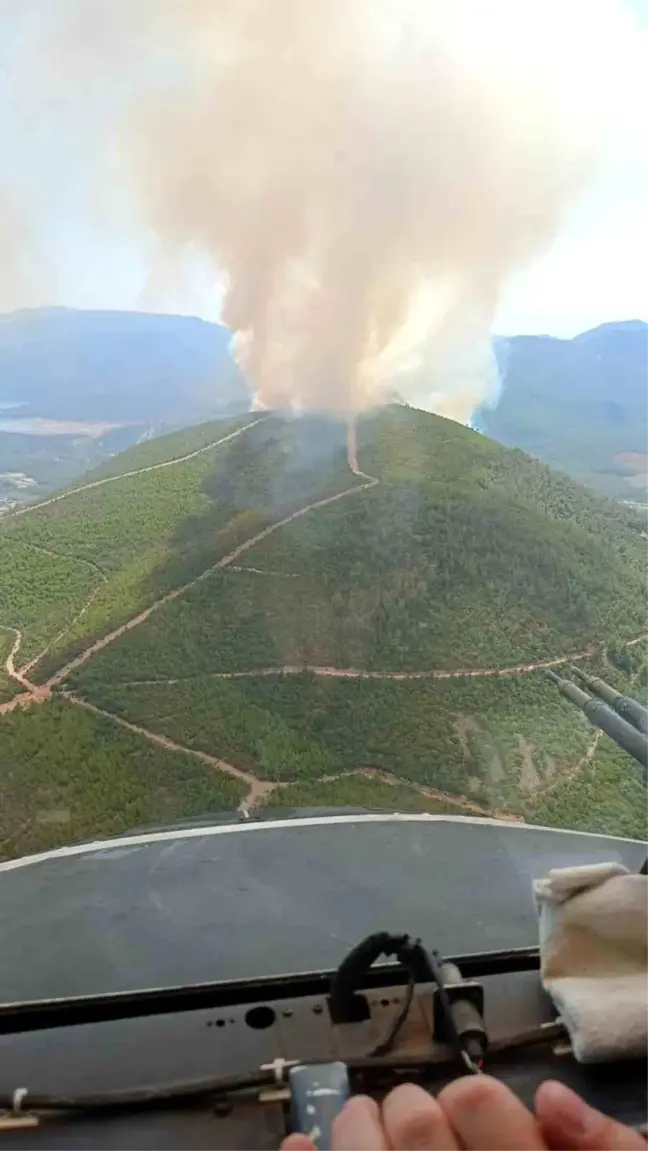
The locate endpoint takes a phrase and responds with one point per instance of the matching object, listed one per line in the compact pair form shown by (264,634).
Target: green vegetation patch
(472,737)
(357,791)
(68,775)
(40,593)
(164,448)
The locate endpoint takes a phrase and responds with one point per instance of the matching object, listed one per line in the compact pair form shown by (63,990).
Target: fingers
(358,1127)
(572,1125)
(475,1112)
(297,1143)
(414,1121)
(485,1114)
(411,1120)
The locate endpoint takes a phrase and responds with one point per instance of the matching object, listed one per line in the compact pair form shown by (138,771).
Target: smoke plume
(366,175)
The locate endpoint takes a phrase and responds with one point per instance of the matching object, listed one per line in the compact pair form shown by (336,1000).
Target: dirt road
(357,673)
(9,662)
(32,693)
(258,788)
(428,792)
(137,472)
(225,562)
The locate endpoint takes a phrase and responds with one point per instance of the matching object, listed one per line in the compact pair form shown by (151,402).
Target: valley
(79,387)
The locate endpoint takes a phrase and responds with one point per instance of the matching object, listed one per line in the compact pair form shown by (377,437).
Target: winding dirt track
(10,666)
(138,471)
(259,789)
(358,673)
(225,562)
(421,789)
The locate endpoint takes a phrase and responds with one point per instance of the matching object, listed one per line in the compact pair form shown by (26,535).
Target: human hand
(475,1113)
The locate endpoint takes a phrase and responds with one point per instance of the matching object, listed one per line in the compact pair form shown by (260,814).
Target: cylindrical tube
(623,733)
(629,709)
(468,1022)
(318,1094)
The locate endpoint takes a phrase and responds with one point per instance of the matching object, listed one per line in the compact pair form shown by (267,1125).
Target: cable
(23,1100)
(422,967)
(387,1043)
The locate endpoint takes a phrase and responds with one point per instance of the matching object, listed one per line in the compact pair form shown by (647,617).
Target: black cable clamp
(458,1005)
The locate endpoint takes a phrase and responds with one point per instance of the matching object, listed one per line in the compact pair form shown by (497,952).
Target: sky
(595,271)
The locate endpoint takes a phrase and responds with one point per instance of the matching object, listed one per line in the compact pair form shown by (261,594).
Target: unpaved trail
(352,455)
(10,666)
(32,693)
(68,627)
(38,693)
(20,674)
(428,792)
(265,572)
(61,635)
(358,673)
(137,472)
(12,671)
(590,753)
(258,788)
(225,562)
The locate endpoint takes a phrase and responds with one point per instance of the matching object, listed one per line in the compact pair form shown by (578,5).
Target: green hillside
(307,622)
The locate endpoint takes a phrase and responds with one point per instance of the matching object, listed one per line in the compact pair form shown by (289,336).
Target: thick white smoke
(366,174)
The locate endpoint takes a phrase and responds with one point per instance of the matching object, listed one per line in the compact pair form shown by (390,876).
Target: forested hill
(264,623)
(579,404)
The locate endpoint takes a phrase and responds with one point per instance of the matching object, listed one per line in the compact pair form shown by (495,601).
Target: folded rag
(594,957)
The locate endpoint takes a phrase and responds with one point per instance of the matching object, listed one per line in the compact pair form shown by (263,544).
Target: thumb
(570,1124)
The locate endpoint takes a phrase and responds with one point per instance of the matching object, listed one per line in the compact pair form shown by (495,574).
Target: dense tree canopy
(461,556)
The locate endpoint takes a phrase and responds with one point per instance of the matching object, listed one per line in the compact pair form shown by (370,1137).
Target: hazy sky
(596,271)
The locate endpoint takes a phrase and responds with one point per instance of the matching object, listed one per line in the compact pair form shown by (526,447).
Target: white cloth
(594,957)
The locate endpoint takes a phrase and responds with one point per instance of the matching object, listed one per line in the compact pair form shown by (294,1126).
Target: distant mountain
(579,404)
(230,612)
(147,373)
(118,366)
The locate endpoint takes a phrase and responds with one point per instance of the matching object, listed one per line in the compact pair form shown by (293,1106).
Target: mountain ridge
(108,379)
(580,404)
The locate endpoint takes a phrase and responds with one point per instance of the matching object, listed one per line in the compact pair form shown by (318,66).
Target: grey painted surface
(269,899)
